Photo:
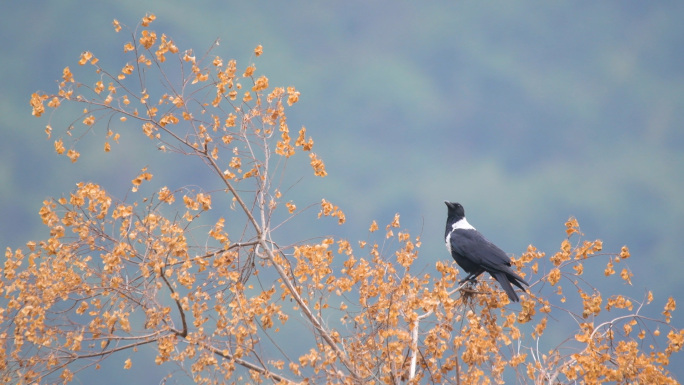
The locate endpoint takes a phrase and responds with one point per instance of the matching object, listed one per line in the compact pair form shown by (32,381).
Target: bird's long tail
(517,280)
(505,280)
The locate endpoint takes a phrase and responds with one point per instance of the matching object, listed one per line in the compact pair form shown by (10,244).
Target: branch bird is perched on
(475,254)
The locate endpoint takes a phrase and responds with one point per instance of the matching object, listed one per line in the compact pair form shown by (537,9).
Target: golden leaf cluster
(262,108)
(100,249)
(330,210)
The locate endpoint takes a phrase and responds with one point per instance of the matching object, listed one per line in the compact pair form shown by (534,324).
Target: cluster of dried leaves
(230,304)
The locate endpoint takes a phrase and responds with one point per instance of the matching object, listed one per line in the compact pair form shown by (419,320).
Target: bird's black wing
(478,250)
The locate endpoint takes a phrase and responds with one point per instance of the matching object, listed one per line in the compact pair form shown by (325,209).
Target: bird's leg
(469,278)
(472,277)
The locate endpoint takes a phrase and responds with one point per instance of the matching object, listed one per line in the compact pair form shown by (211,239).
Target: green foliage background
(525,112)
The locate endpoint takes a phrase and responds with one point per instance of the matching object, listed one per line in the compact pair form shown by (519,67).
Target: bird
(475,254)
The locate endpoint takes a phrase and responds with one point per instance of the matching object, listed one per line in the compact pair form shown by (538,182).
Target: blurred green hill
(526,112)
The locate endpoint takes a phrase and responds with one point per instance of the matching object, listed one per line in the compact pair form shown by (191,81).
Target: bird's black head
(455,212)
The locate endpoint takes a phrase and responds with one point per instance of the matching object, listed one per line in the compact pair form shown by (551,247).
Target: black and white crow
(475,254)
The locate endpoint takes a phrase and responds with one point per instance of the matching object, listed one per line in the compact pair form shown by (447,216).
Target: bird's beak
(449,204)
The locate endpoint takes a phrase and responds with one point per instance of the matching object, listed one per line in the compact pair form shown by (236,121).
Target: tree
(220,294)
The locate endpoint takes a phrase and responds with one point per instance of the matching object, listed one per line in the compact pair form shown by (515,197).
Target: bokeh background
(526,112)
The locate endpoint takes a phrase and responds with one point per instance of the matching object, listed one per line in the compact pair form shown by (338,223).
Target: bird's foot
(472,280)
